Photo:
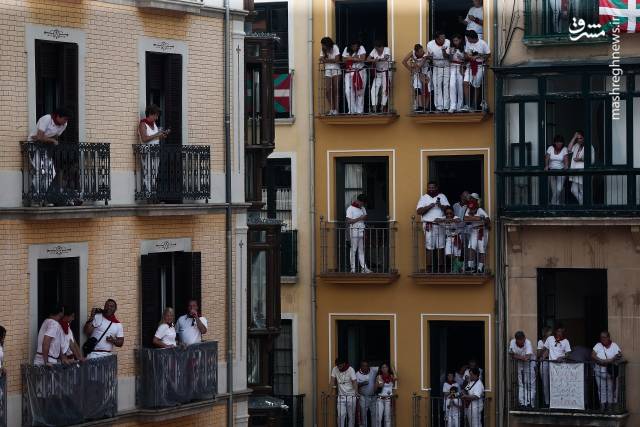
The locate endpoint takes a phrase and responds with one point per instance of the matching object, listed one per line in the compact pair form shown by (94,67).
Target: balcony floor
(570,418)
(337,278)
(455,118)
(451,279)
(359,119)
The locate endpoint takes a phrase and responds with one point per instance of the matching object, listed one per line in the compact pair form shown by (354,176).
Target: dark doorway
(364,340)
(453,344)
(368,175)
(59,282)
(363,20)
(454,174)
(164,88)
(445,16)
(576,299)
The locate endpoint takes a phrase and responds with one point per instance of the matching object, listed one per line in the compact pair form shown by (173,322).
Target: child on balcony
(453,242)
(417,62)
(478,221)
(355,76)
(453,407)
(380,56)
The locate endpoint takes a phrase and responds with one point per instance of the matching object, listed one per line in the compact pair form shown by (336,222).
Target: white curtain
(353,182)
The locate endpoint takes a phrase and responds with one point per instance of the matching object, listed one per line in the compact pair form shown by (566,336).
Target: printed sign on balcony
(566,385)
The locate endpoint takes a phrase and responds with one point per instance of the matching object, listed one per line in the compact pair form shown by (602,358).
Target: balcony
(66,174)
(70,394)
(281,209)
(546,24)
(371,104)
(470,105)
(331,415)
(458,253)
(176,376)
(577,393)
(190,6)
(3,399)
(573,192)
(434,411)
(172,173)
(340,255)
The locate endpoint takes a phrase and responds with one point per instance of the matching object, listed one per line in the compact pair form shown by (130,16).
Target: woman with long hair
(385,382)
(165,336)
(330,58)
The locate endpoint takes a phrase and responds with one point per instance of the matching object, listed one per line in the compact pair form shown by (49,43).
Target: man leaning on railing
(344,380)
(380,56)
(521,351)
(607,355)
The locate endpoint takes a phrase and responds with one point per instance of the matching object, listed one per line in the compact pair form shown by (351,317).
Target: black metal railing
(174,376)
(349,249)
(3,398)
(289,253)
(171,172)
(451,88)
(294,416)
(66,173)
(337,411)
(573,387)
(450,247)
(444,411)
(347,89)
(572,191)
(545,18)
(70,394)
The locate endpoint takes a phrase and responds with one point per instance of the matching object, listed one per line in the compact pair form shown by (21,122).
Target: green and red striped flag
(623,13)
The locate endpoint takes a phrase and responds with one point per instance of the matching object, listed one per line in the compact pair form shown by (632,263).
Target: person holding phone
(150,134)
(431,207)
(192,326)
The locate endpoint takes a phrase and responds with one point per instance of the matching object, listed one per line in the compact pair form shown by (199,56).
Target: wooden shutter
(69,78)
(69,289)
(173,97)
(149,297)
(188,280)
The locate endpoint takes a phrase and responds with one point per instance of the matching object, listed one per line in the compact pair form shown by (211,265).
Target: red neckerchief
(356,79)
(387,378)
(65,326)
(355,205)
(111,318)
(344,368)
(150,123)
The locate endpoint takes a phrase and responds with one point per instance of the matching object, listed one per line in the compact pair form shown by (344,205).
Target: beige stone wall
(604,247)
(215,417)
(113,272)
(111,72)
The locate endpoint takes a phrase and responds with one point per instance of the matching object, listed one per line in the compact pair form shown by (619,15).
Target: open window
(368,175)
(446,16)
(169,279)
(164,88)
(57,82)
(364,21)
(455,174)
(59,282)
(364,340)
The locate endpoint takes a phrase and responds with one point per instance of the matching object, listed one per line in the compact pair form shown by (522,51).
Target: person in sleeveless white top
(330,58)
(150,134)
(557,158)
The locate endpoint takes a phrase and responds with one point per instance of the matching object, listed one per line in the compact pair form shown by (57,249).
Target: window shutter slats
(150,297)
(173,95)
(188,276)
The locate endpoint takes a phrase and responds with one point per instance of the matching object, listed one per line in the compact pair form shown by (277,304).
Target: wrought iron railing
(175,376)
(454,88)
(66,173)
(572,191)
(283,93)
(544,18)
(3,398)
(439,411)
(337,411)
(450,247)
(572,387)
(357,91)
(69,394)
(349,249)
(294,416)
(171,172)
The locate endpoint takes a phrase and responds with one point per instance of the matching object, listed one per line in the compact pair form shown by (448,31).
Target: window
(368,175)
(282,360)
(362,21)
(553,17)
(455,174)
(59,282)
(57,82)
(164,88)
(264,277)
(168,280)
(447,16)
(364,340)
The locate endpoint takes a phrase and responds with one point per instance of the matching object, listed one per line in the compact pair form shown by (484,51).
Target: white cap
(475,196)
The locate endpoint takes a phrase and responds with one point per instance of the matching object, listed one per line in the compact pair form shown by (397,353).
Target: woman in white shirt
(385,382)
(576,148)
(150,134)
(557,158)
(165,336)
(330,58)
(355,77)
(606,354)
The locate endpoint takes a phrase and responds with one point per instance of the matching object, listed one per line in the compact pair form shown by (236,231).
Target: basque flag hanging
(282,92)
(623,13)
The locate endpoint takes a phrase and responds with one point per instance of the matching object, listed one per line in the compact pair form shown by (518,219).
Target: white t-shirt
(459,380)
(188,329)
(605,353)
(480,47)
(383,64)
(331,54)
(477,13)
(353,213)
(525,350)
(345,380)
(151,131)
(167,334)
(577,153)
(68,339)
(435,212)
(556,161)
(50,328)
(435,50)
(346,55)
(452,406)
(370,379)
(48,126)
(387,389)
(476,388)
(456,55)
(446,387)
(557,349)
(467,374)
(100,324)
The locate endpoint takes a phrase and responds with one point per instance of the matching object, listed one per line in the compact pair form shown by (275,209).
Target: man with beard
(106,328)
(431,207)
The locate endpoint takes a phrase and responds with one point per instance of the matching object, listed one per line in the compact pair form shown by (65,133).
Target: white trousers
(368,403)
(456,93)
(384,412)
(473,416)
(380,82)
(453,418)
(346,408)
(441,87)
(526,384)
(606,387)
(355,98)
(556,184)
(576,190)
(357,245)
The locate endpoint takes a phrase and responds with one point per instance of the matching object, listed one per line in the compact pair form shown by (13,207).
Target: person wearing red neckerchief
(104,323)
(385,381)
(606,354)
(431,207)
(380,56)
(356,217)
(476,53)
(438,51)
(355,76)
(366,377)
(70,346)
(478,221)
(344,381)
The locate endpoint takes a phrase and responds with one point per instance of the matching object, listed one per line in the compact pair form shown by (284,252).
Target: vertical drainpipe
(312,219)
(228,224)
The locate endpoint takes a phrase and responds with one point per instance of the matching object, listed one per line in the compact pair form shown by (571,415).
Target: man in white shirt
(474,19)
(476,53)
(606,354)
(356,217)
(473,396)
(191,326)
(51,339)
(431,207)
(437,50)
(478,232)
(343,378)
(366,378)
(381,57)
(557,347)
(106,328)
(459,208)
(521,352)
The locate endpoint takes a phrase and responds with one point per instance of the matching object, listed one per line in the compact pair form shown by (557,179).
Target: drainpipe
(312,219)
(228,224)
